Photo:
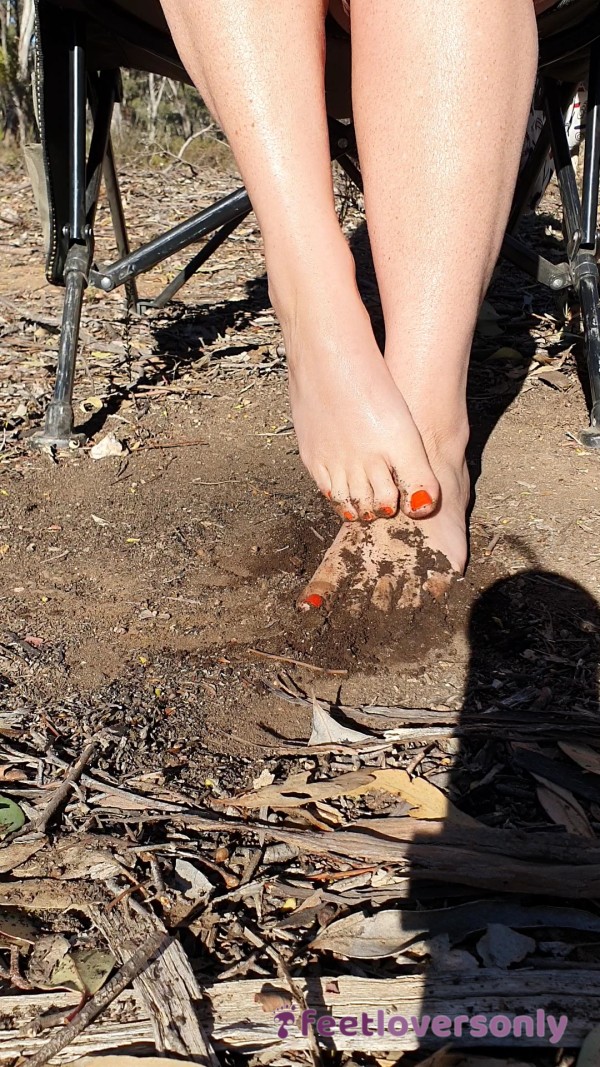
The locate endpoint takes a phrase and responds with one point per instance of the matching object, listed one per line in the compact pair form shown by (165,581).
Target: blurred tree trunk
(156,88)
(16,31)
(26,26)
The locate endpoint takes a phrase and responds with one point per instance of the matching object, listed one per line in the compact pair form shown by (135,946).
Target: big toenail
(420,499)
(314,600)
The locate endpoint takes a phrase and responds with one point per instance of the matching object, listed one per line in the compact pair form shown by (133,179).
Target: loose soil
(136,591)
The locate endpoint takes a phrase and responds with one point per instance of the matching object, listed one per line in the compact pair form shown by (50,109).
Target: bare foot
(393,563)
(355,433)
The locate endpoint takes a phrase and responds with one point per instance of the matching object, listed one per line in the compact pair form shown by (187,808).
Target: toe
(419,488)
(383,594)
(323,481)
(410,596)
(340,497)
(361,495)
(438,584)
(420,502)
(322,588)
(385,490)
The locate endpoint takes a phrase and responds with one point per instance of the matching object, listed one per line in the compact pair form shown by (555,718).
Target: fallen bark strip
(167,988)
(234,1020)
(39,894)
(538,846)
(551,847)
(441,862)
(447,863)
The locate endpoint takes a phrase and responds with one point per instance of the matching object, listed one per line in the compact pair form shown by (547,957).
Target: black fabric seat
(82,46)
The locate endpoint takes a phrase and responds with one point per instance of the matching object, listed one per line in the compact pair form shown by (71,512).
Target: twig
(192,137)
(136,963)
(294,662)
(61,792)
(172,444)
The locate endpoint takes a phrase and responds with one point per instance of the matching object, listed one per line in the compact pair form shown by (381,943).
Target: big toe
(419,487)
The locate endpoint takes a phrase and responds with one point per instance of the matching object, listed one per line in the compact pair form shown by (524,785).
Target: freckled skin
(441,94)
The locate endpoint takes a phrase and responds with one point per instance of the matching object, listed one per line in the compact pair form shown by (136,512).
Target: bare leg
(260,68)
(441,96)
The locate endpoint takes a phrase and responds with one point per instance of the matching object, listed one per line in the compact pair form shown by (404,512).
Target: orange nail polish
(420,499)
(387,511)
(315,600)
(349,517)
(369,517)
(328,494)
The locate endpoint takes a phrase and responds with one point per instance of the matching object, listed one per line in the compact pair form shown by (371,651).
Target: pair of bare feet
(396,476)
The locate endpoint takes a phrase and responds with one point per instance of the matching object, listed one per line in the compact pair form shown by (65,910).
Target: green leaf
(12,816)
(84,969)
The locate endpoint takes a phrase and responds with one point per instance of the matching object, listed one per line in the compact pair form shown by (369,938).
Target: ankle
(304,275)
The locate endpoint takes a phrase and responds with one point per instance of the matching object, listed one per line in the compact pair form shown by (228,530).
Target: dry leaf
(91,404)
(272,999)
(586,757)
(14,855)
(562,807)
(370,937)
(296,791)
(107,447)
(500,946)
(46,953)
(326,730)
(16,928)
(425,800)
(392,930)
(193,883)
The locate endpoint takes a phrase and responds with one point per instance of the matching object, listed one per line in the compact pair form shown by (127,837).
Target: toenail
(369,517)
(387,510)
(420,499)
(328,494)
(314,600)
(349,517)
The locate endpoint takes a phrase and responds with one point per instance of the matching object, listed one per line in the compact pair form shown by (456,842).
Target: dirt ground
(147,591)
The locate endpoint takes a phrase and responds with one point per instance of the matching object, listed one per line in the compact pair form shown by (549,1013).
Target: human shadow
(532,686)
(491,943)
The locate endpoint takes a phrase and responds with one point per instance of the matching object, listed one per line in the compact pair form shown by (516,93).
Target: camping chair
(81,46)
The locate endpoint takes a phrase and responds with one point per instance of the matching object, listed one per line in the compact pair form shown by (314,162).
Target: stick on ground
(136,963)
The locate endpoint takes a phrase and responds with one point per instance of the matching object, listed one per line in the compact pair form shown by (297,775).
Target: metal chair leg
(85,178)
(58,429)
(580,224)
(115,203)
